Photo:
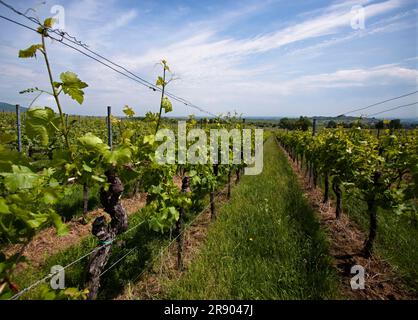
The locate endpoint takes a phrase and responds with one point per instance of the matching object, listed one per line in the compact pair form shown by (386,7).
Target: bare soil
(47,242)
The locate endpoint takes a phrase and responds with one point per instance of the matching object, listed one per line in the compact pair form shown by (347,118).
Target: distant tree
(395,124)
(380,125)
(286,123)
(331,124)
(303,123)
(358,124)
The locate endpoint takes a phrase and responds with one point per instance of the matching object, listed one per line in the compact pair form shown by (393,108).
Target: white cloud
(220,71)
(390,74)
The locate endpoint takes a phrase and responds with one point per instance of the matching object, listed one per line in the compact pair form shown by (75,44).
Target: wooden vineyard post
(313,173)
(179,228)
(229,185)
(326,188)
(109,127)
(315,176)
(337,191)
(212,205)
(238,174)
(18,128)
(85,202)
(372,212)
(212,195)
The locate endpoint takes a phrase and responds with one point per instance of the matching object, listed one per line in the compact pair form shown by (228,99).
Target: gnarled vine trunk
(238,174)
(229,184)
(337,190)
(326,187)
(372,211)
(85,203)
(212,193)
(106,232)
(179,227)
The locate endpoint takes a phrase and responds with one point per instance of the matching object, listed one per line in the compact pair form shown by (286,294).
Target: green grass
(145,242)
(265,244)
(72,205)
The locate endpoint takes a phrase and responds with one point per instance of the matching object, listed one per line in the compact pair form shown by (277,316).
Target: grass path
(266,244)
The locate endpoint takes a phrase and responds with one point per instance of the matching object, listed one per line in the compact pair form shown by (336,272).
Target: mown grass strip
(266,244)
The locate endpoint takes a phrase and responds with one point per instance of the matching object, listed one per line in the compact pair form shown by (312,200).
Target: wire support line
(380,102)
(50,275)
(394,108)
(65,36)
(118,261)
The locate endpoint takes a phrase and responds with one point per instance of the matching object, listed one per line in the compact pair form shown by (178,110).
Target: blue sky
(259,58)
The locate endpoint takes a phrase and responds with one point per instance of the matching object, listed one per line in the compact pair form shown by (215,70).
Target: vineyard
(90,198)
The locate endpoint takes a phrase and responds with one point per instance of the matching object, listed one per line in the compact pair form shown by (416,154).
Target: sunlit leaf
(72,86)
(166,104)
(30,52)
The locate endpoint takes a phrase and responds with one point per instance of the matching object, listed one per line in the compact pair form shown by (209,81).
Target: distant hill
(9,107)
(346,119)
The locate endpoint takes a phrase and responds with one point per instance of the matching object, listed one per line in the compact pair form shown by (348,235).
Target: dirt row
(346,241)
(46,243)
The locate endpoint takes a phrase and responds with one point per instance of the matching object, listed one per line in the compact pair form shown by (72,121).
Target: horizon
(260,117)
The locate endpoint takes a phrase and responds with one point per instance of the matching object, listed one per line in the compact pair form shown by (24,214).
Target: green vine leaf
(120,156)
(20,178)
(160,82)
(4,208)
(61,227)
(128,111)
(92,143)
(30,52)
(41,124)
(72,86)
(167,106)
(48,22)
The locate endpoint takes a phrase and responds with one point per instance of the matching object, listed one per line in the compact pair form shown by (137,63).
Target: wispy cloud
(202,49)
(219,65)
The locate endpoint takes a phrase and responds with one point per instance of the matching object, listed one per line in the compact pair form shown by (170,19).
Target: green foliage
(128,111)
(48,22)
(377,170)
(72,86)
(26,207)
(41,124)
(31,188)
(66,294)
(160,82)
(166,105)
(31,51)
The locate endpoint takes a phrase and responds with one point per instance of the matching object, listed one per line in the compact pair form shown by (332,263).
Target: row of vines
(74,153)
(382,171)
